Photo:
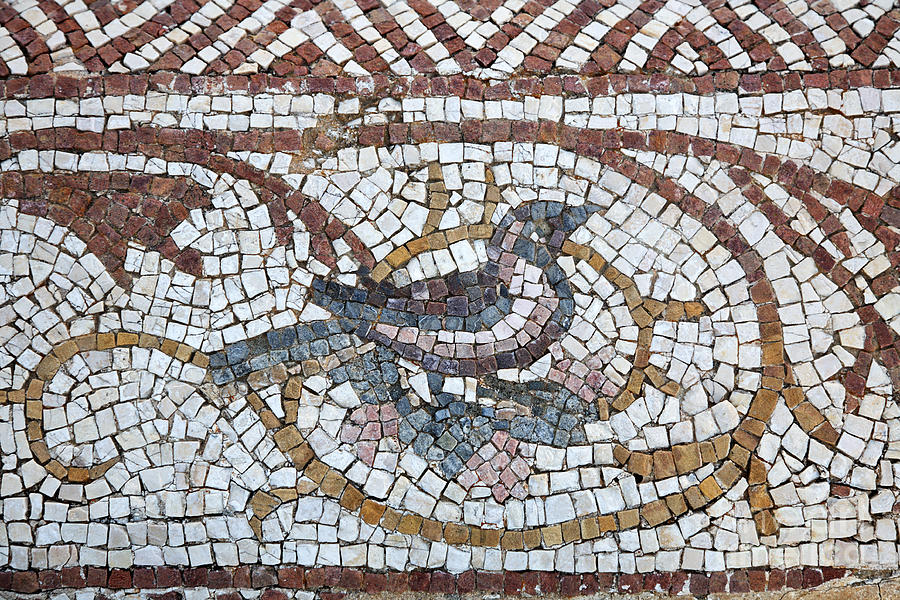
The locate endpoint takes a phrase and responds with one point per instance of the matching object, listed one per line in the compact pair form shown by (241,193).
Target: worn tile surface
(300,298)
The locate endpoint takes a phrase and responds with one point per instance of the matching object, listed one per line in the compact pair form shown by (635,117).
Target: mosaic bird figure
(502,307)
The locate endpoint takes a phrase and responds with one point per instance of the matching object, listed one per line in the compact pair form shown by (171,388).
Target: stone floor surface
(317,298)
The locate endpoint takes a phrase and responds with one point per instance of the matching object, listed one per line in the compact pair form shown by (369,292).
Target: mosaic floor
(300,298)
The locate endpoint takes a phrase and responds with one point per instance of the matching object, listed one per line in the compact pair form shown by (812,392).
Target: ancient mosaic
(299,298)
